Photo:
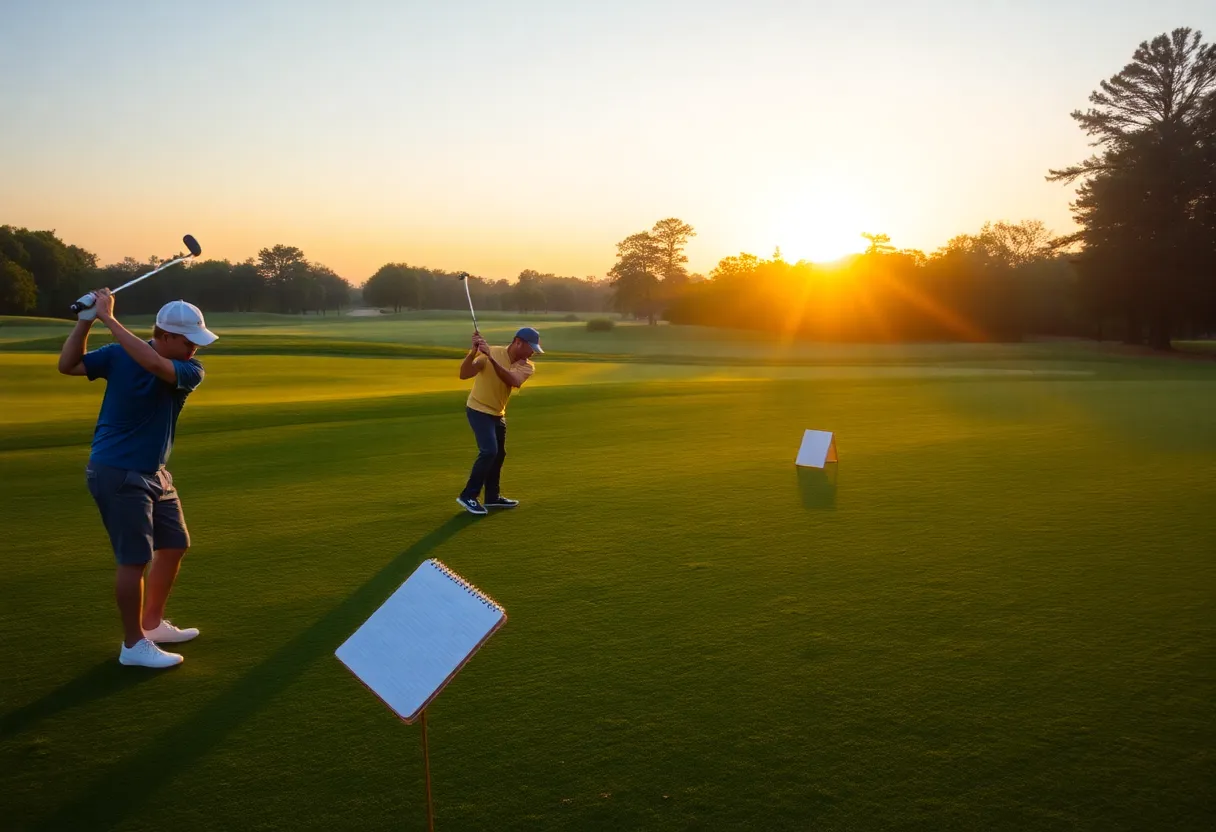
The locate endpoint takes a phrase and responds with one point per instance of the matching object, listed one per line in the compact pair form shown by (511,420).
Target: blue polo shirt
(139,411)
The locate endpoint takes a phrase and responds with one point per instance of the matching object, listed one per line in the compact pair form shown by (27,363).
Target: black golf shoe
(471,505)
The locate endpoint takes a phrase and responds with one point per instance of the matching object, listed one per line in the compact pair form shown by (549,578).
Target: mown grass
(997,612)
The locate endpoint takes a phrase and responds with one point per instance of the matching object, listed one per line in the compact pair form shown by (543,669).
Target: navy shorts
(141,512)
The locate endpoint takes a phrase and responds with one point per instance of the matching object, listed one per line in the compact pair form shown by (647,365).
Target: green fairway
(997,612)
(446,334)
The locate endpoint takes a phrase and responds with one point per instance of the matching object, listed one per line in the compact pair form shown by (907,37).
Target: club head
(462,275)
(192,245)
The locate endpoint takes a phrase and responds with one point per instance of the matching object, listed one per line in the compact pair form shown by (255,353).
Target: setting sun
(821,226)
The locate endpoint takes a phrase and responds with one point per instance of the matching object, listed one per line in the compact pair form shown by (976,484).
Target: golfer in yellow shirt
(498,372)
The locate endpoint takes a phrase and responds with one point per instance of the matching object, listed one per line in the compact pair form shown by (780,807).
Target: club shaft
(470,297)
(159,268)
(80,306)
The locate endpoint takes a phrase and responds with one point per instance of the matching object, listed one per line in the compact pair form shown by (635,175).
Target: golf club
(191,244)
(463,277)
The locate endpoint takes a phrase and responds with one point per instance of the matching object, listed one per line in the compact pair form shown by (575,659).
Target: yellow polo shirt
(490,393)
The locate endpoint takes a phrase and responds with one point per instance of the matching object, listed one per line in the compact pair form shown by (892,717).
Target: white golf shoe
(147,654)
(167,633)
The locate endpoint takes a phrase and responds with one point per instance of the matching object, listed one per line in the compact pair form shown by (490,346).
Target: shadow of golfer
(112,797)
(818,486)
(104,679)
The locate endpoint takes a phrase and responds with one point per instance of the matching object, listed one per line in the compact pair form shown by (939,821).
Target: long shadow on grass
(105,679)
(134,780)
(818,486)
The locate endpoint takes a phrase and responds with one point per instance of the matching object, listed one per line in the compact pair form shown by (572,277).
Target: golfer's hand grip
(84,303)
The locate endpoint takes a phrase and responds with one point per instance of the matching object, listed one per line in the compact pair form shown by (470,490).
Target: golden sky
(496,137)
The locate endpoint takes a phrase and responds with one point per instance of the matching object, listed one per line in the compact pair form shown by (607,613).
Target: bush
(600,325)
(571,318)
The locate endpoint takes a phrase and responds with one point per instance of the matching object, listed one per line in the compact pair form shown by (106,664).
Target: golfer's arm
(508,377)
(71,357)
(142,352)
(467,368)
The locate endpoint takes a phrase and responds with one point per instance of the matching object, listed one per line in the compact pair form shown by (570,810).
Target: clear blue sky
(500,136)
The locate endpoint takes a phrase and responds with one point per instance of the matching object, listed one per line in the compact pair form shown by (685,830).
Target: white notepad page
(410,647)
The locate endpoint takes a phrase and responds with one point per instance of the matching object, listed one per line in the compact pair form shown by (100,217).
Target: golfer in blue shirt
(147,383)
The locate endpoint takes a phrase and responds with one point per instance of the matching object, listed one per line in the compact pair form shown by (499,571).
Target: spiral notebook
(420,637)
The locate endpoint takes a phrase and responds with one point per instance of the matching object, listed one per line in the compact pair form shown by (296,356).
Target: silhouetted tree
(669,237)
(635,276)
(1144,200)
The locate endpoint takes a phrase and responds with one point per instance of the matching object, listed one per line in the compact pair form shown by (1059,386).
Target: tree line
(1001,283)
(399,286)
(42,275)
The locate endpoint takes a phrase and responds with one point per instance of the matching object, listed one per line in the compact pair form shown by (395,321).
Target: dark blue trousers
(491,434)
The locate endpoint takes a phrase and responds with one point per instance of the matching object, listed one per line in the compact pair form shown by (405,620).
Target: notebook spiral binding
(470,588)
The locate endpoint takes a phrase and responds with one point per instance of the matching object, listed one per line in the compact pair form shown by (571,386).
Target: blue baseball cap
(532,337)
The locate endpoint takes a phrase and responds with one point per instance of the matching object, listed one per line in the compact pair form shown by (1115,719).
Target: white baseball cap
(182,318)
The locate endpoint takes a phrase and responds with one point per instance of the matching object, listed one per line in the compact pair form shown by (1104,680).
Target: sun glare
(821,227)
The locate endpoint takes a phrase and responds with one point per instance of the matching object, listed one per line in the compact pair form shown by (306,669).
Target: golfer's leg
(161,574)
(129,592)
(125,503)
(494,475)
(171,540)
(487,447)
